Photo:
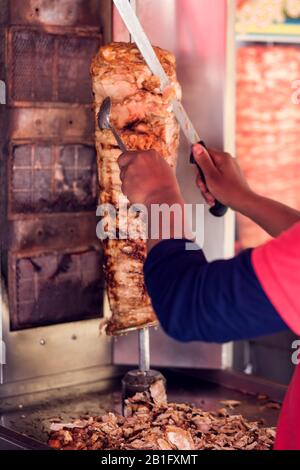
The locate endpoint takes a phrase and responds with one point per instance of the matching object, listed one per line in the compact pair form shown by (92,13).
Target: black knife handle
(218,210)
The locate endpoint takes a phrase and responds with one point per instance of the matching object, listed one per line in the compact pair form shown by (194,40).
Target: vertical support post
(229,142)
(144,336)
(2,346)
(133,4)
(144,350)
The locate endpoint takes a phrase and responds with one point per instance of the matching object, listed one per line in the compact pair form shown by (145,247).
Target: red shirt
(277,266)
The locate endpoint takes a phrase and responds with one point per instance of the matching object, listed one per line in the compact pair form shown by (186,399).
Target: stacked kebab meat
(143,116)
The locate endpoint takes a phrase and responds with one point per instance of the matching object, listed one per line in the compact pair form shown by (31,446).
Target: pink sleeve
(277,266)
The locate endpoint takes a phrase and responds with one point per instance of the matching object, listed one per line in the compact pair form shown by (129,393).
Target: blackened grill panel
(53,178)
(51,67)
(33,55)
(54,259)
(3,11)
(57,288)
(56,12)
(74,59)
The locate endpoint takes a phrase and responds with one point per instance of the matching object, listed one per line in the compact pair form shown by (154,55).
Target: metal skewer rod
(144,350)
(144,337)
(134,6)
(2,346)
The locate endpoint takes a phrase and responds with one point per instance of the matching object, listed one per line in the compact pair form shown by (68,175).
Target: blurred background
(267,136)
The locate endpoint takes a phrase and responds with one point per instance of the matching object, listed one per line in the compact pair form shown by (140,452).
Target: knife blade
(142,41)
(140,38)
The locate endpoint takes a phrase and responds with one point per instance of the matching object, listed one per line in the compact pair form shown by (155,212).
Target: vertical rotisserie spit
(143,116)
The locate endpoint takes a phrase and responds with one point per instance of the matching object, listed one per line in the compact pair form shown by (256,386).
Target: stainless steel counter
(28,417)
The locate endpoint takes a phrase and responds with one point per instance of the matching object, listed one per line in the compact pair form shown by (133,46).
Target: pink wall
(201,29)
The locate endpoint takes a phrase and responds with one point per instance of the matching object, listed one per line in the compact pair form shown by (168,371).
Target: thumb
(125,159)
(204,160)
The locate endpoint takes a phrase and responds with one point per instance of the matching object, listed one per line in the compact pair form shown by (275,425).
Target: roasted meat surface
(152,425)
(143,116)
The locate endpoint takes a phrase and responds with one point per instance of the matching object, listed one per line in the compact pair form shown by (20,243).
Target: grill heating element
(72,281)
(53,267)
(50,67)
(52,178)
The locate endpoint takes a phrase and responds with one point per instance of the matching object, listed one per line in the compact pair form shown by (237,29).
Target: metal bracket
(144,336)
(2,92)
(133,4)
(2,343)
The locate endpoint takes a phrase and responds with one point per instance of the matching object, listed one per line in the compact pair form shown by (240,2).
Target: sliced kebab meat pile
(150,424)
(143,116)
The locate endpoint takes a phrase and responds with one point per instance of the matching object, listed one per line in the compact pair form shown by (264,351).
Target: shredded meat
(164,426)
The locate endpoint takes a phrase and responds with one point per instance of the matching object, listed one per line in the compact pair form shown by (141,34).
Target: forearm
(270,215)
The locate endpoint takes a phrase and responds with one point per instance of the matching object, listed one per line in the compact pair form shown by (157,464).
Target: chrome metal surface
(144,334)
(31,414)
(10,440)
(134,7)
(104,122)
(32,366)
(186,125)
(136,381)
(50,383)
(144,350)
(104,114)
(166,352)
(138,34)
(2,344)
(140,38)
(2,92)
(195,31)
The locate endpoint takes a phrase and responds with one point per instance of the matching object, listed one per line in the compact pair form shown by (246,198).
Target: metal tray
(26,419)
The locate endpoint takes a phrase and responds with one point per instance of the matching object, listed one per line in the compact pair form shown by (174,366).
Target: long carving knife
(140,38)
